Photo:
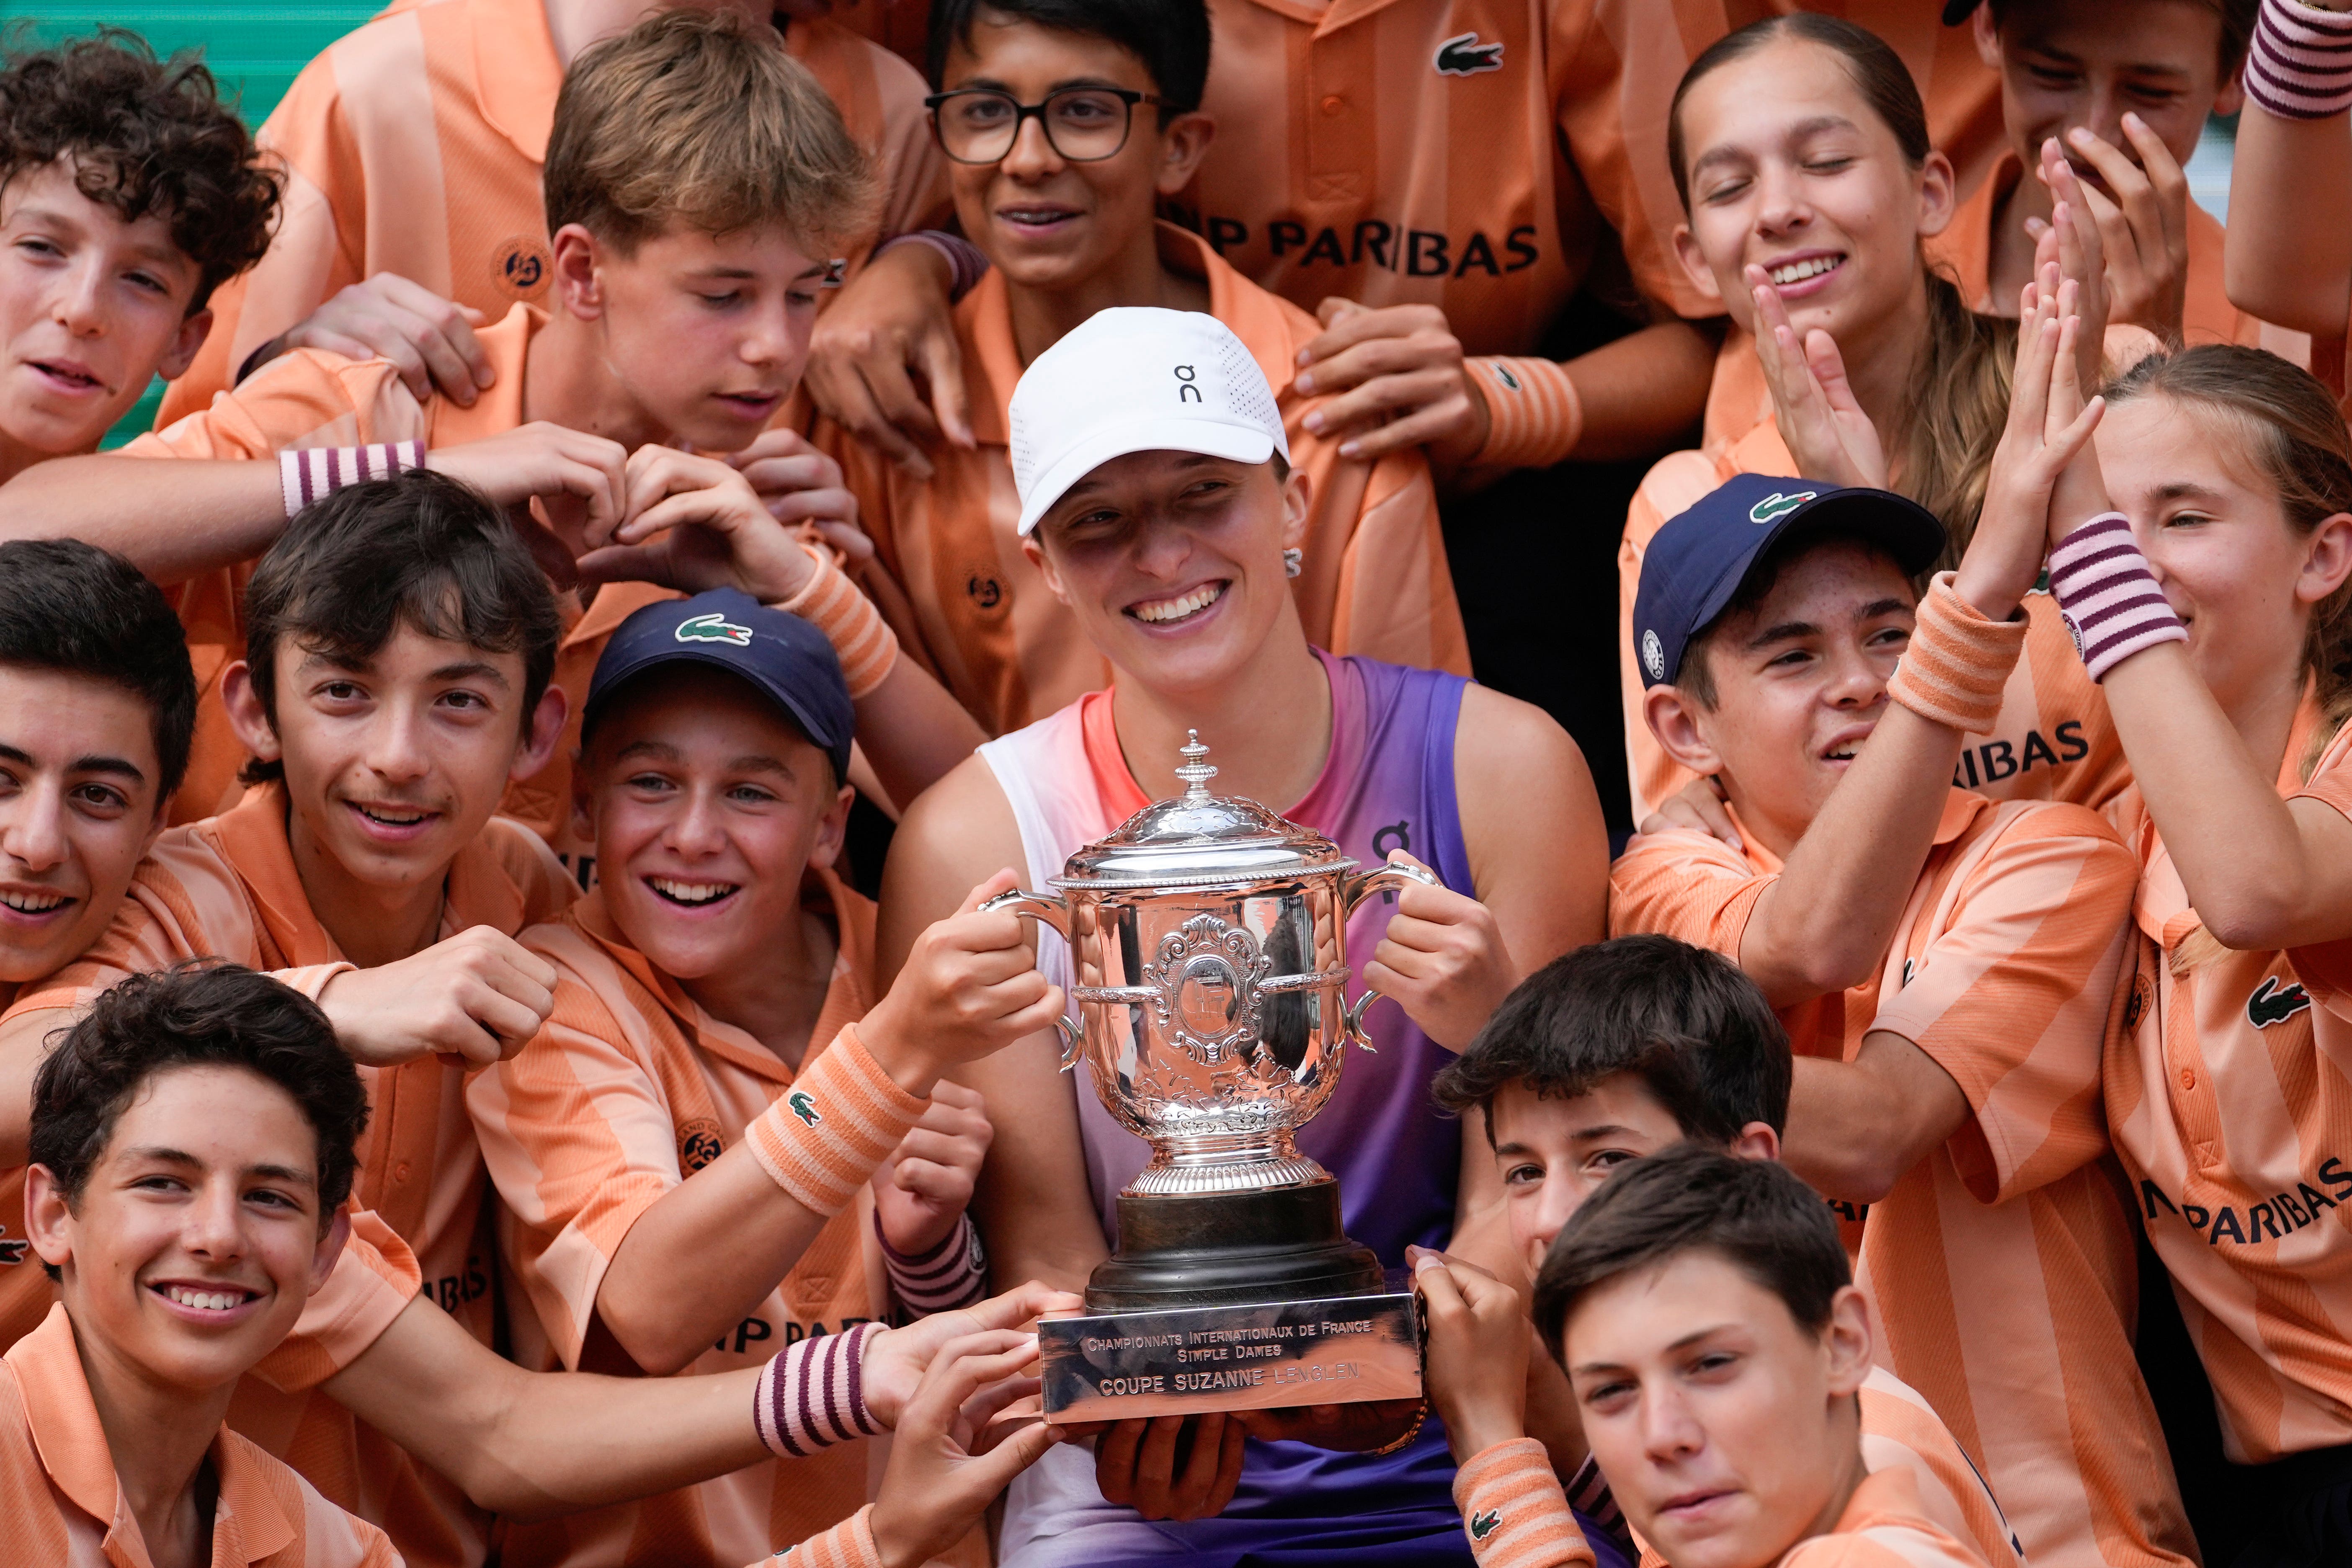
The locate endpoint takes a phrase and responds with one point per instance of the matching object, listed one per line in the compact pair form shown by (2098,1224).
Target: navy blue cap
(1695,564)
(780,654)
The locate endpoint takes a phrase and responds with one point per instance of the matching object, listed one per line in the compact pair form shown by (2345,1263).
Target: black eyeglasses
(1084,124)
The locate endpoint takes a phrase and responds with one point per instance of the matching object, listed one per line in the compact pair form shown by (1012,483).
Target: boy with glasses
(1066,124)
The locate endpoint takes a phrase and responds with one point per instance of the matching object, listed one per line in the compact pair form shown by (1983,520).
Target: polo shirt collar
(251,837)
(1962,810)
(248,1524)
(992,363)
(1326,16)
(515,73)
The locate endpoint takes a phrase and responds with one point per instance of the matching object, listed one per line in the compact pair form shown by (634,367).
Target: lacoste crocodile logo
(1482,1525)
(801,1104)
(713,627)
(2274,1004)
(1464,55)
(1776,506)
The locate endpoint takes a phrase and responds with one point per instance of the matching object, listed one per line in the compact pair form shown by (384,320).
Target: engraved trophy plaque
(1208,951)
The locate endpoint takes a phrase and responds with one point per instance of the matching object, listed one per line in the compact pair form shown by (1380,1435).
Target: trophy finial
(1196,773)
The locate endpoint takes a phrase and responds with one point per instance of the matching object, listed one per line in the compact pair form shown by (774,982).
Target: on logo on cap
(1776,506)
(713,627)
(1653,656)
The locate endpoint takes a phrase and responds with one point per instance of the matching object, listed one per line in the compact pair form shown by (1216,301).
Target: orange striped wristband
(1536,418)
(1958,661)
(849,1544)
(1514,1511)
(824,1136)
(861,639)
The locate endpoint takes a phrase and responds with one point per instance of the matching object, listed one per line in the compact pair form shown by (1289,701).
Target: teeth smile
(1163,610)
(678,892)
(34,903)
(207,1301)
(392,816)
(1798,272)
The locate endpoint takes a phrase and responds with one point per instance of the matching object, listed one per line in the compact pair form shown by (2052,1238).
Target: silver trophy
(1208,950)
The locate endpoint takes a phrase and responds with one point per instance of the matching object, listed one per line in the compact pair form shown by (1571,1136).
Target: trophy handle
(1352,1018)
(1386,878)
(1054,915)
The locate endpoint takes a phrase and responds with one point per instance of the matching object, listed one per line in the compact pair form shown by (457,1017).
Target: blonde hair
(695,118)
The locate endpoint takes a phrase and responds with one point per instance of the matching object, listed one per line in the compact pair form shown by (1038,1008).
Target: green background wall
(254,47)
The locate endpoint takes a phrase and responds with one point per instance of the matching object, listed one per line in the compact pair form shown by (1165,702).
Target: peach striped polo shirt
(2001,1268)
(63,1506)
(964,601)
(2052,742)
(227,887)
(2229,1099)
(415,143)
(630,1089)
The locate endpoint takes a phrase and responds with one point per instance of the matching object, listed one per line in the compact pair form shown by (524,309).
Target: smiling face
(2241,577)
(394,763)
(1800,679)
(197,1235)
(92,309)
(2069,63)
(79,806)
(1791,169)
(1171,562)
(1045,222)
(1726,1430)
(706,806)
(706,333)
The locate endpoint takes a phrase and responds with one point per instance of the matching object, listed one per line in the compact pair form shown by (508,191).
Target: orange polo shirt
(2053,740)
(629,1090)
(2229,1099)
(415,145)
(2000,1268)
(227,887)
(964,600)
(1883,1526)
(63,1504)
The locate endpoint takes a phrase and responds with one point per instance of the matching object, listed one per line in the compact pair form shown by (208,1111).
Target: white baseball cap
(1136,379)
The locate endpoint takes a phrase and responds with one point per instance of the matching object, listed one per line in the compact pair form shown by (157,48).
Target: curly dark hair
(201,1014)
(146,136)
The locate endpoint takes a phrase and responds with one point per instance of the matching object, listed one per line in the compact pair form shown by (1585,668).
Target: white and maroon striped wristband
(814,1394)
(316,472)
(2110,600)
(952,1274)
(2299,66)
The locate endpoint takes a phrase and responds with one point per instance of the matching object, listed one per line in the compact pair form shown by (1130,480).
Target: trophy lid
(1201,837)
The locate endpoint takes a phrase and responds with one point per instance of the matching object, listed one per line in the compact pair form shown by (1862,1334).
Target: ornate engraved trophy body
(1208,950)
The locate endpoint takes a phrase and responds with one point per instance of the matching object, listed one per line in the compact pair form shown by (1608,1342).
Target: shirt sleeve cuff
(1514,1511)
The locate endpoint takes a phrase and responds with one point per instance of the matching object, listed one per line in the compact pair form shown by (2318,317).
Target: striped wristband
(316,472)
(1535,416)
(2110,599)
(967,263)
(1957,663)
(861,639)
(952,1274)
(2299,66)
(849,1544)
(1513,1509)
(822,1137)
(814,1394)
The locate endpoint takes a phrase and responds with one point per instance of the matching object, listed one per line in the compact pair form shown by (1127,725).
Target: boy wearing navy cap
(684,1150)
(1943,964)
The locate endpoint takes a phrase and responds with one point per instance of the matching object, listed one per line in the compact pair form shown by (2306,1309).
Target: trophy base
(1191,1360)
(1231,1248)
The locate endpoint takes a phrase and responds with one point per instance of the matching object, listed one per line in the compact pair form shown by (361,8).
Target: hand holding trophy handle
(1383,879)
(1054,915)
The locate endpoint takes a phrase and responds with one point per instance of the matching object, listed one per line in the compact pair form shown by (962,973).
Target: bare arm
(1032,1203)
(913,732)
(1642,393)
(221,512)
(2288,255)
(1854,1128)
(535,1445)
(1531,823)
